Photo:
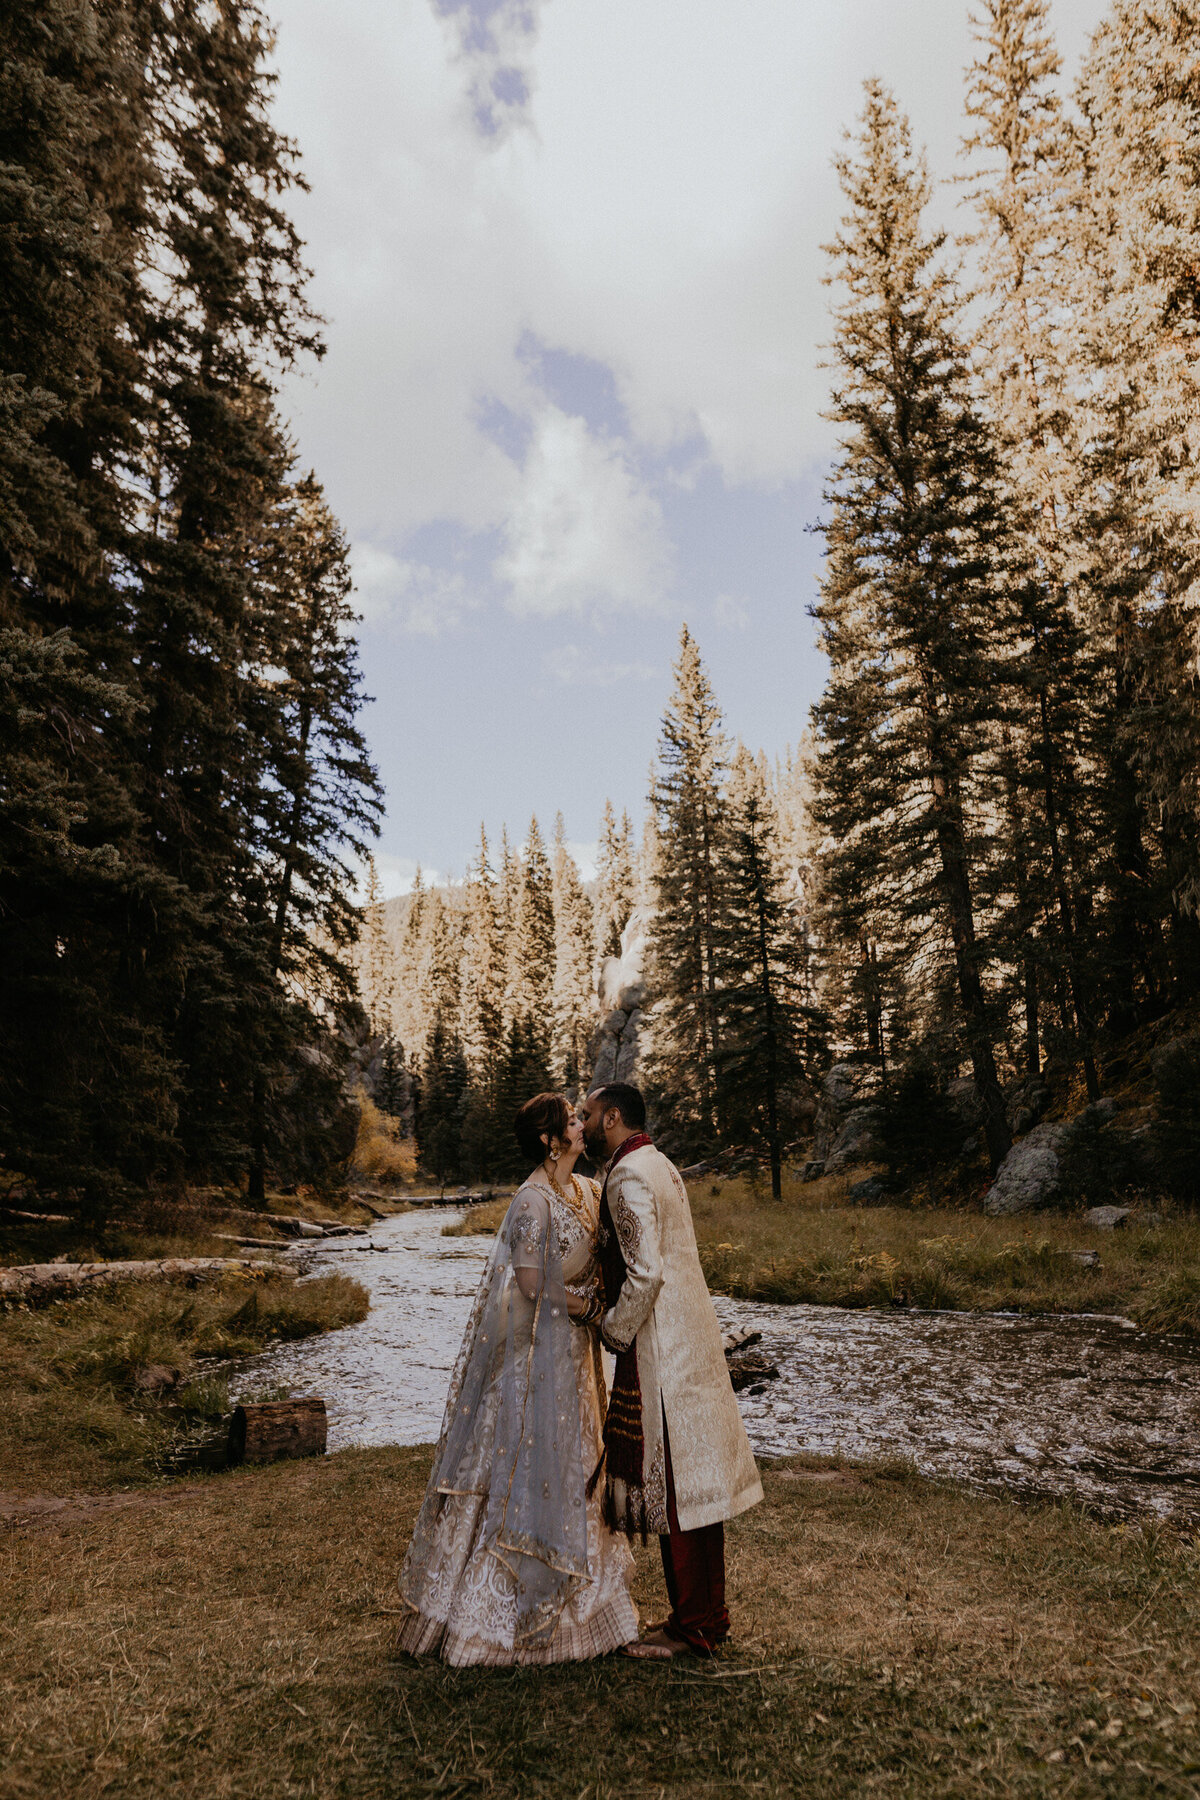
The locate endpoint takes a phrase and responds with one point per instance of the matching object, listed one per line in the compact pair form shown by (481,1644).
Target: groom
(676,1457)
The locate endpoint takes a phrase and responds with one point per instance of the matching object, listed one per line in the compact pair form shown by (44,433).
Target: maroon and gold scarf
(621,1459)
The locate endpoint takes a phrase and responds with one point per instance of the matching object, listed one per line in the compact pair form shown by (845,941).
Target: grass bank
(808,1247)
(812,1246)
(893,1637)
(112,1388)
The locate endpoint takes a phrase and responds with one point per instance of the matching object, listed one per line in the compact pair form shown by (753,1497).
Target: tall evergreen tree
(572,1002)
(151,288)
(1028,158)
(615,883)
(376,979)
(690,817)
(768,1035)
(1139,397)
(443,1090)
(914,612)
(482,996)
(412,1010)
(531,944)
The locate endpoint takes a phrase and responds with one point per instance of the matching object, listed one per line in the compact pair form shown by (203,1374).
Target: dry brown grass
(893,1637)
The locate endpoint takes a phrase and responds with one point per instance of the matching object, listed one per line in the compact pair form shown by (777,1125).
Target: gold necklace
(574,1200)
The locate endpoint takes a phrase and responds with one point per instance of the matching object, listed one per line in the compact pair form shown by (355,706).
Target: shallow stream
(1086,1408)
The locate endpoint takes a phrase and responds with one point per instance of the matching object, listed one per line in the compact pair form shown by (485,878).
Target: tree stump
(277,1429)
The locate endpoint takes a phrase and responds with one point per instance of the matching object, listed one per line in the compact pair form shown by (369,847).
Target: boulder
(1031,1173)
(1025,1104)
(963,1096)
(1108,1218)
(810,1171)
(837,1095)
(874,1191)
(860,1139)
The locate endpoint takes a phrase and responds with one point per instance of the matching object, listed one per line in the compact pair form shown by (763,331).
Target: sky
(569,257)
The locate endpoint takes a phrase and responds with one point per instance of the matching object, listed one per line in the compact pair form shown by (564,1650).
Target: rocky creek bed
(1083,1408)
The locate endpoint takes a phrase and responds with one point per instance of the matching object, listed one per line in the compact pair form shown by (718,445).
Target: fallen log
(53,1281)
(376,1212)
(28,1218)
(277,1429)
(740,1340)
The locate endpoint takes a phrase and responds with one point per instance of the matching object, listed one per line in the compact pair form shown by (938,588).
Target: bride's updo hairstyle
(545,1115)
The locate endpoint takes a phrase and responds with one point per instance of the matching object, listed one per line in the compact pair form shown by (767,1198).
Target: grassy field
(813,1246)
(233,1638)
(117,1387)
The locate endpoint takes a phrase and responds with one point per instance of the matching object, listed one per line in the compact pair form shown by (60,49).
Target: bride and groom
(521,1551)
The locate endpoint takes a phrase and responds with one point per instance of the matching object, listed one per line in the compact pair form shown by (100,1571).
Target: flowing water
(1082,1407)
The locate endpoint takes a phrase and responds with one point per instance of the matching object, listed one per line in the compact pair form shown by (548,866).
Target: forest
(973,882)
(983,862)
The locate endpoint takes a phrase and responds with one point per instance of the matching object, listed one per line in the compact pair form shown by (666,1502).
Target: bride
(510,1562)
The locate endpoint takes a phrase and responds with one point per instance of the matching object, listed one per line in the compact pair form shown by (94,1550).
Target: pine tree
(573,1004)
(179,931)
(440,1120)
(531,944)
(1139,397)
(377,981)
(914,610)
(481,1002)
(315,803)
(393,1093)
(615,884)
(1029,158)
(411,1012)
(690,846)
(767,1034)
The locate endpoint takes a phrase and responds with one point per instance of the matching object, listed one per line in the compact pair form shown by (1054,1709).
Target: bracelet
(593,1314)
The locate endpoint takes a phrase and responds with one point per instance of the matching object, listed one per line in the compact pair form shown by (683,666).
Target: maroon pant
(694,1566)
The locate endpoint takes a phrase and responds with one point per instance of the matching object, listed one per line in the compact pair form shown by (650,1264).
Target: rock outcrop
(1033,1173)
(621,990)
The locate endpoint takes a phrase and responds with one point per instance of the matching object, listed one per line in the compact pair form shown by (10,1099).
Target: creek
(1085,1408)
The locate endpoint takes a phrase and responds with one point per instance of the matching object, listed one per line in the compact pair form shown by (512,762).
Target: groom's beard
(596,1147)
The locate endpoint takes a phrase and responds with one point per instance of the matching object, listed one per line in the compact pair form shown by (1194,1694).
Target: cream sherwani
(666,1306)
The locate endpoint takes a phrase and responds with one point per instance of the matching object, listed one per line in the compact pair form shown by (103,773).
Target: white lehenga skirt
(467,1613)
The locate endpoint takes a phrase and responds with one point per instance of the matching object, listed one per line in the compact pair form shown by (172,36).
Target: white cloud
(731,612)
(573,666)
(583,536)
(412,595)
(585,856)
(647,183)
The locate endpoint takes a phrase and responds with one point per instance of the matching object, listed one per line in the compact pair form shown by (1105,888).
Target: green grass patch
(105,1390)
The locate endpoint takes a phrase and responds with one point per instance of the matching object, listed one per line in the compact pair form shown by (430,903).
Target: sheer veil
(511,1427)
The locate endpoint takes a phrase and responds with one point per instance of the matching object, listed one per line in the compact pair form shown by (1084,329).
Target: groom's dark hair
(627,1101)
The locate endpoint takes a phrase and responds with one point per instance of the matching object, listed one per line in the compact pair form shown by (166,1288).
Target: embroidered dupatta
(511,1427)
